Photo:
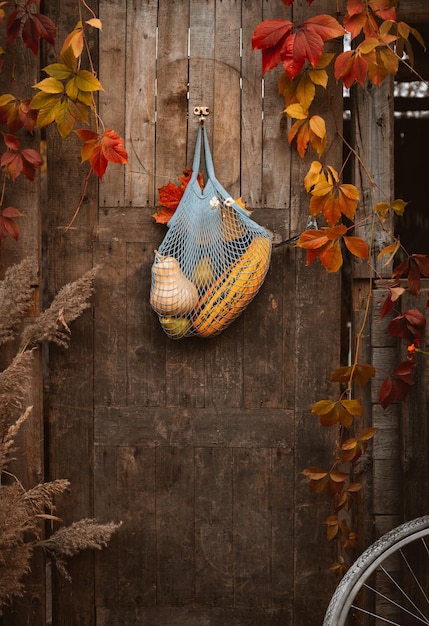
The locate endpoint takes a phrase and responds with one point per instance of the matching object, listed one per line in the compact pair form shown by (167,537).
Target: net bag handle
(207,157)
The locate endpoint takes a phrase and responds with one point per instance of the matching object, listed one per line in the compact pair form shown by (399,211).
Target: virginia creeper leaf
(282,41)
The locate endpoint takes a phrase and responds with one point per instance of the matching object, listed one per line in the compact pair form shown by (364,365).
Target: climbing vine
(66,97)
(379,44)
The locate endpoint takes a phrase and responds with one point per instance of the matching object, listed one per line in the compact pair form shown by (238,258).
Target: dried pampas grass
(23,511)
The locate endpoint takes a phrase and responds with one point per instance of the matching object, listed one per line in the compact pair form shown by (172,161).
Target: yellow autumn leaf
(305,91)
(296,111)
(318,126)
(398,206)
(95,23)
(382,208)
(390,250)
(313,176)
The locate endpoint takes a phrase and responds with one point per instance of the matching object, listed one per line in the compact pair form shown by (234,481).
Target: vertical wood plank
(110,369)
(213,527)
(252,528)
(251,108)
(227,95)
(282,553)
(135,475)
(175,526)
(112,101)
(373,135)
(70,401)
(414,429)
(21,70)
(276,153)
(263,343)
(201,65)
(317,353)
(172,89)
(140,98)
(223,365)
(146,341)
(106,506)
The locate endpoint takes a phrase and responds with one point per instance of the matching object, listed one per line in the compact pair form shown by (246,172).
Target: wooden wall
(196,445)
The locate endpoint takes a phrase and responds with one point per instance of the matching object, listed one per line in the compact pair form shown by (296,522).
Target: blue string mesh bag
(212,260)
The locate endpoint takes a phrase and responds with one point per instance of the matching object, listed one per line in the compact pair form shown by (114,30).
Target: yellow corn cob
(234,290)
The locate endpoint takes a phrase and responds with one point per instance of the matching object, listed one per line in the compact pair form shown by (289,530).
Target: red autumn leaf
(17,161)
(363,16)
(413,267)
(8,226)
(102,149)
(282,41)
(408,326)
(170,196)
(31,25)
(397,385)
(17,113)
(394,293)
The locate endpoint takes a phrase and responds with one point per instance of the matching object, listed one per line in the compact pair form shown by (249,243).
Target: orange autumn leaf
(325,244)
(307,131)
(332,198)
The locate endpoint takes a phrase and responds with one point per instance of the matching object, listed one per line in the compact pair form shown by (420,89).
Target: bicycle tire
(390,543)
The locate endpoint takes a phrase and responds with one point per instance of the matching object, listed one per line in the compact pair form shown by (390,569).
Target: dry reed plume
(23,510)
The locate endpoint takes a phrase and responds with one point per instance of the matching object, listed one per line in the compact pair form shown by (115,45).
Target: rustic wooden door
(197,446)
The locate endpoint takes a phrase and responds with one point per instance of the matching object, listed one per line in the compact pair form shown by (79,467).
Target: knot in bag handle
(207,156)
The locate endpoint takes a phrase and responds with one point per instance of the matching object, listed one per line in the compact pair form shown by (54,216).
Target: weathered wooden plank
(317,353)
(252,528)
(287,258)
(414,429)
(137,225)
(386,492)
(110,370)
(146,341)
(227,95)
(223,365)
(140,98)
(276,153)
(201,66)
(135,476)
(21,70)
(107,505)
(172,88)
(211,426)
(251,109)
(263,343)
(70,399)
(112,101)
(372,132)
(175,526)
(184,373)
(282,528)
(413,11)
(214,566)
(198,616)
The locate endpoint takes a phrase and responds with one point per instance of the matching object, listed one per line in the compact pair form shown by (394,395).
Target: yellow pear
(203,274)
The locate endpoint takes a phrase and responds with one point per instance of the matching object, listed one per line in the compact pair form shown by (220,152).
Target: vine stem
(79,206)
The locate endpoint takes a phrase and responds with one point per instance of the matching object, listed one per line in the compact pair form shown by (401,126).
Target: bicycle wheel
(388,583)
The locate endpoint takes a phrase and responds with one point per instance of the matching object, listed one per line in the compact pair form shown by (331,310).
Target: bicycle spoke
(394,603)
